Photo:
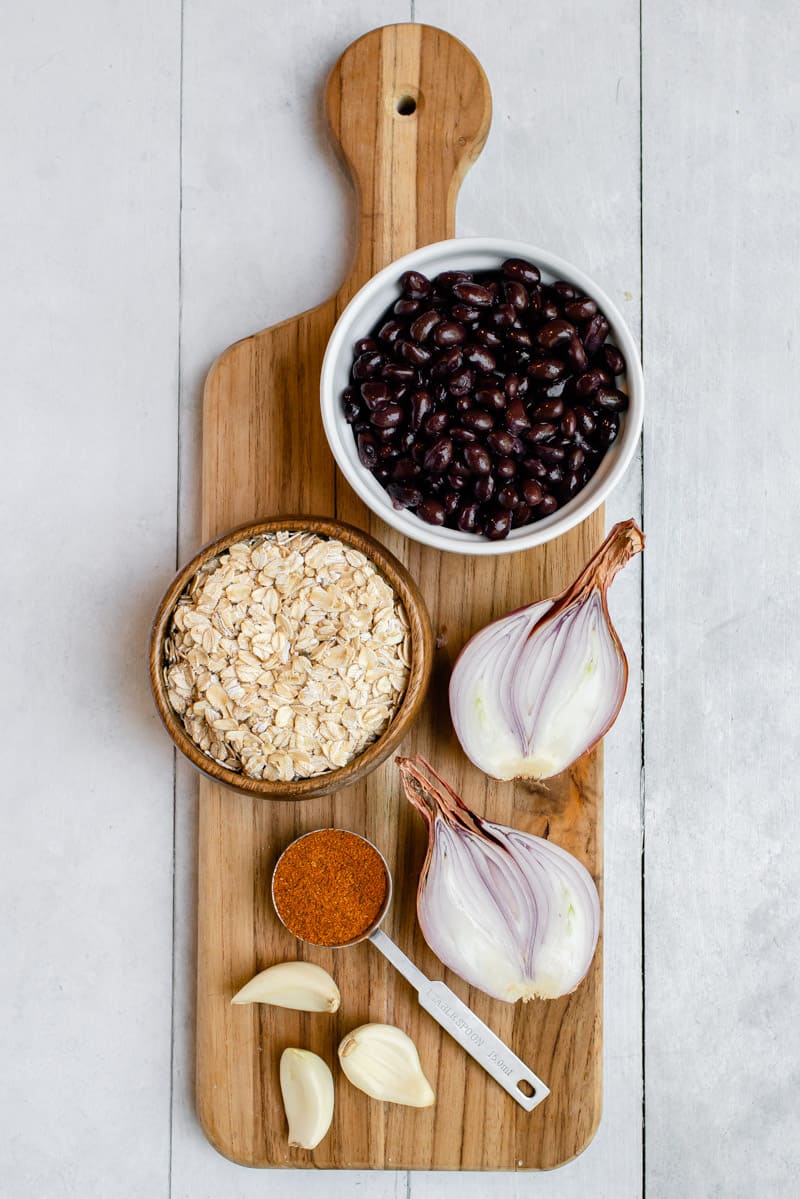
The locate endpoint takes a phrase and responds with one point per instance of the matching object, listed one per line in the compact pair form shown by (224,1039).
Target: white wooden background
(168,187)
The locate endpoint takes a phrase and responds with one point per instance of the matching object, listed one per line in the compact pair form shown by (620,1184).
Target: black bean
(374,394)
(546,369)
(439,456)
(502,317)
(532,492)
(570,485)
(515,295)
(473,294)
(477,419)
(461,382)
(549,309)
(520,338)
(585,420)
(580,310)
(424,325)
(483,489)
(407,307)
(477,459)
(365,345)
(415,285)
(541,432)
(568,423)
(564,291)
(421,405)
(352,411)
(611,399)
(449,333)
(490,397)
(367,449)
(463,436)
(590,380)
(387,416)
(436,423)
(614,360)
(607,429)
(398,372)
(451,501)
(547,504)
(515,385)
(445,281)
(548,410)
(498,524)
(391,331)
(576,459)
(455,479)
(404,469)
(389,433)
(465,313)
(508,497)
(502,442)
(414,353)
(551,453)
(534,468)
(520,516)
(448,362)
(505,468)
(480,357)
(368,364)
(595,333)
(553,475)
(467,517)
(556,389)
(381,473)
(555,333)
(577,355)
(404,497)
(488,337)
(516,417)
(432,511)
(519,269)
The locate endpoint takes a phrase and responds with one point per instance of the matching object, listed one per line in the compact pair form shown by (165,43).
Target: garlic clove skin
(382,1061)
(303,986)
(307,1090)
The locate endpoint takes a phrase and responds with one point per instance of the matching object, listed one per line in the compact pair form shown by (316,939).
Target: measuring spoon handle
(465,1027)
(485,1046)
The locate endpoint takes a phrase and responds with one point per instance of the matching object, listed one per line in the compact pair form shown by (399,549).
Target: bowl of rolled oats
(290,657)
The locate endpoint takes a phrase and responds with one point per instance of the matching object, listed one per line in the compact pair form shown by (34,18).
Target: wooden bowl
(375,753)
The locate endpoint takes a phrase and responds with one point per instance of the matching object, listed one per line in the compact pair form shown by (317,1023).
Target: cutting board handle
(410,107)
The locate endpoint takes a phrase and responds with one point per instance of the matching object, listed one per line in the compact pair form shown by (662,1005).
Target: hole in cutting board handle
(406,106)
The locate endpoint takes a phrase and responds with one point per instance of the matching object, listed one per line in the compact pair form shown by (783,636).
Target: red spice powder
(329,886)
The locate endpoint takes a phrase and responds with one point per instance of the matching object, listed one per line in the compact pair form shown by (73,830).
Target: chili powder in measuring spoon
(330,887)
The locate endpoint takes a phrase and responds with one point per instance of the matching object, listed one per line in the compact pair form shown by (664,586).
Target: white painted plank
(89,228)
(267,232)
(722,188)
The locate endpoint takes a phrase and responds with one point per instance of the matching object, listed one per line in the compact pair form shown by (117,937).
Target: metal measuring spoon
(440,1002)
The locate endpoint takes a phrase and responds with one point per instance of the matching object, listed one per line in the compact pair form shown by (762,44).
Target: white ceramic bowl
(359,319)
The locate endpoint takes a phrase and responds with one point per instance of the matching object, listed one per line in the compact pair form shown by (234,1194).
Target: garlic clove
(382,1061)
(307,1090)
(299,985)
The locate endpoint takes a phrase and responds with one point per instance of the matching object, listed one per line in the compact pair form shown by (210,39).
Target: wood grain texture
(264,453)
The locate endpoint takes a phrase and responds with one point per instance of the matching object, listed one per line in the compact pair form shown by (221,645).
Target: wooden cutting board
(264,453)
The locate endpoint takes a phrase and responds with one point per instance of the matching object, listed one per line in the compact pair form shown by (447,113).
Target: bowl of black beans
(482,396)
